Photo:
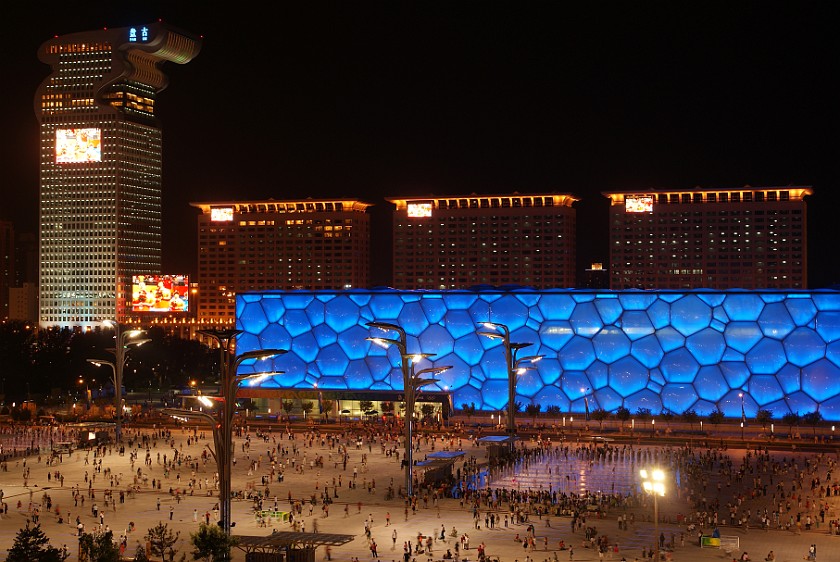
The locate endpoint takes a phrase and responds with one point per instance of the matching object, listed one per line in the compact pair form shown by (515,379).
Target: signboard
(138,34)
(707,541)
(78,145)
(160,293)
(419,210)
(638,204)
(221,214)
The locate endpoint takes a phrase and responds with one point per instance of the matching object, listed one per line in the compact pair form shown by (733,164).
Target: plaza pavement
(142,508)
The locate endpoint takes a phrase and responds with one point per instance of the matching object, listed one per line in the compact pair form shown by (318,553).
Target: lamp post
(229,385)
(743,415)
(100,363)
(585,392)
(123,338)
(81,382)
(412,381)
(514,367)
(653,482)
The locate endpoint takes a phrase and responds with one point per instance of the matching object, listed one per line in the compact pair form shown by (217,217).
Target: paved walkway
(143,510)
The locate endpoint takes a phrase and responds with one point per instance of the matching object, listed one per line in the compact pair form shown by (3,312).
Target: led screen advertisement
(160,293)
(78,145)
(419,210)
(638,204)
(221,214)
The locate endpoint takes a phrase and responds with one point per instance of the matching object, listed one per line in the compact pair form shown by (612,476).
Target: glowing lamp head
(653,481)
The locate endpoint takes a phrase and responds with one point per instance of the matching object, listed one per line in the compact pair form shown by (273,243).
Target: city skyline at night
(378,100)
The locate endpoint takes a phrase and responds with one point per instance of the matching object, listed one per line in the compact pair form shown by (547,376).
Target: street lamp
(124,337)
(514,367)
(229,385)
(81,382)
(412,381)
(743,414)
(100,363)
(585,392)
(653,482)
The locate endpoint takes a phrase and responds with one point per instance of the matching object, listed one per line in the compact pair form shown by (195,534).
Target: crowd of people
(291,476)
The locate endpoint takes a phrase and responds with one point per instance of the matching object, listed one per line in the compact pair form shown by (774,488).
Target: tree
(247,404)
(140,554)
(21,414)
(643,413)
(599,415)
(622,414)
(533,410)
(162,539)
(366,405)
(327,406)
(791,419)
(387,406)
(553,410)
(307,407)
(211,543)
(287,407)
(813,419)
(764,417)
(427,410)
(99,547)
(668,417)
(716,417)
(32,545)
(691,417)
(469,409)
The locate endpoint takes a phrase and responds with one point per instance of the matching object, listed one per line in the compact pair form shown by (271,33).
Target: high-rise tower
(100,167)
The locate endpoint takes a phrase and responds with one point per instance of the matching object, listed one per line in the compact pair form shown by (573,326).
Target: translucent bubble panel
(663,350)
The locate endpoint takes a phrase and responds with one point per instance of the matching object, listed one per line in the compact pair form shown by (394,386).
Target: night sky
(378,99)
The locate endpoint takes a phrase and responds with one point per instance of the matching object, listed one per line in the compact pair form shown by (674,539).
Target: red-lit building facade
(749,238)
(457,242)
(311,244)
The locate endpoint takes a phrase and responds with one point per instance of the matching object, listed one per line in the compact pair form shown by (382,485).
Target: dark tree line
(34,363)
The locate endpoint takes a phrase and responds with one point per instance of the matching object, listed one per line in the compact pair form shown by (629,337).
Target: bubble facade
(667,351)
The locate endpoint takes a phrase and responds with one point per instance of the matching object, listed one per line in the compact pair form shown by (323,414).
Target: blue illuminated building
(667,351)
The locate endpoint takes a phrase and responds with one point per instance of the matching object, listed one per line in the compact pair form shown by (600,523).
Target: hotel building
(312,244)
(100,167)
(746,238)
(457,242)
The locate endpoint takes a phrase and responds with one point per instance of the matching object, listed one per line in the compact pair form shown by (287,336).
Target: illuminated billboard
(419,210)
(221,214)
(78,145)
(160,293)
(638,204)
